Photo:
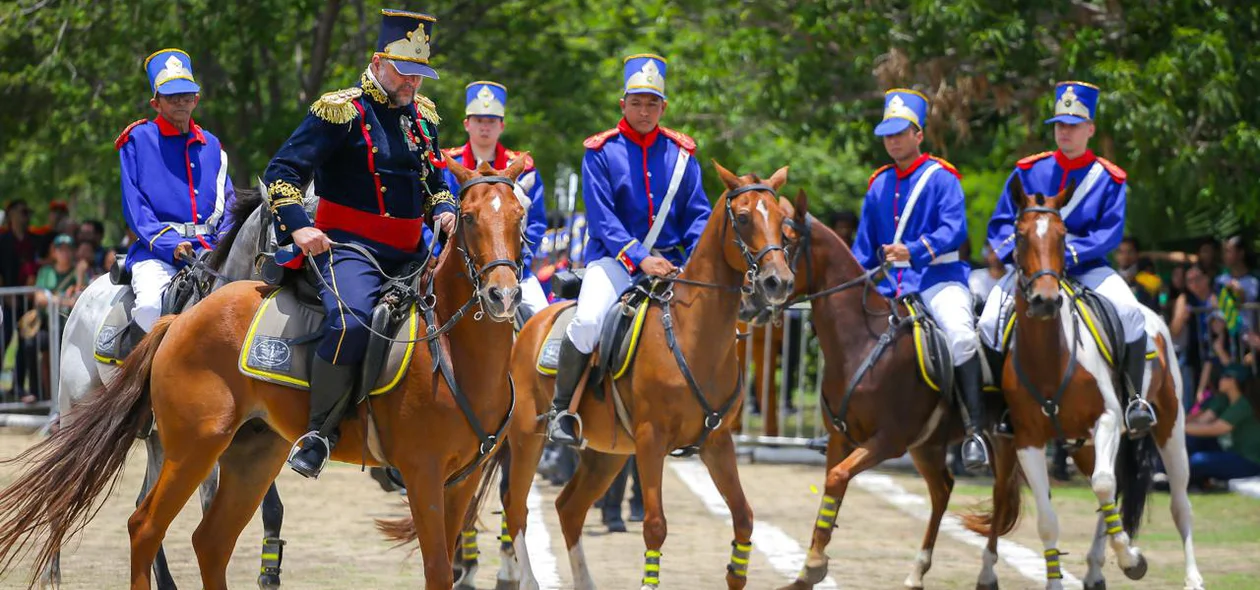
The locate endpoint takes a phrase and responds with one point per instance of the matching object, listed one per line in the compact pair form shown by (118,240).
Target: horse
(81,373)
(877,404)
(428,427)
(1066,391)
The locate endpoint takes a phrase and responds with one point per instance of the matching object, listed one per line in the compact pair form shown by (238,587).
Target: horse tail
(1003,516)
(66,473)
(402,531)
(1135,472)
(487,479)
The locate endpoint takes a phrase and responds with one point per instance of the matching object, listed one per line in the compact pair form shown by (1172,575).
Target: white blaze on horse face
(1043,225)
(765,213)
(496,203)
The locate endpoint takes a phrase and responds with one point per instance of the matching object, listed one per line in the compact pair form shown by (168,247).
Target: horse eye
(467,218)
(742,219)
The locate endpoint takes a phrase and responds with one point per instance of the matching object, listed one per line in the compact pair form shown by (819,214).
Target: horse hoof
(1101,585)
(1137,572)
(506,585)
(992,586)
(268,582)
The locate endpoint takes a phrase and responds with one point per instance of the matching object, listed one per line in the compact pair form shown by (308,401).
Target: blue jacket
(1094,219)
(529,181)
(936,228)
(625,177)
(170,179)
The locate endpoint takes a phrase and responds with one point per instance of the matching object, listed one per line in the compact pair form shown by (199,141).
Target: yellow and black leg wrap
(272,554)
(827,513)
(740,553)
(468,546)
(1053,570)
(505,539)
(1111,517)
(651,568)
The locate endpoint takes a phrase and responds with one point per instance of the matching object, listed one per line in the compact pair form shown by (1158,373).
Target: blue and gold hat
(1074,102)
(170,72)
(485,99)
(405,41)
(902,107)
(645,74)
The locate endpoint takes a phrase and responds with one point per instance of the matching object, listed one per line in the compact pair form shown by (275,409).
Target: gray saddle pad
(117,335)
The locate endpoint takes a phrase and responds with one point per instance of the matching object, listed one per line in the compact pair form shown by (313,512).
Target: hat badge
(416,44)
(172,69)
(485,96)
(650,71)
(1069,96)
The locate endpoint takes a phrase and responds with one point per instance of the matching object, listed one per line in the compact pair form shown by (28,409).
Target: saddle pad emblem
(272,354)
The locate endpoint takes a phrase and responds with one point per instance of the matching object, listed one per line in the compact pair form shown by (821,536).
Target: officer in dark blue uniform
(371,151)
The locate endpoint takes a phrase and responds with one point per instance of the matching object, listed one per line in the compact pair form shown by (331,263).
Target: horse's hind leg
(153,467)
(1177,466)
(273,545)
(719,457)
(929,459)
(515,568)
(595,471)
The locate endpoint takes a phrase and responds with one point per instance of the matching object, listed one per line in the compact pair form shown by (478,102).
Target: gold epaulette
(597,141)
(336,107)
(683,140)
(1117,173)
(879,171)
(427,109)
(948,167)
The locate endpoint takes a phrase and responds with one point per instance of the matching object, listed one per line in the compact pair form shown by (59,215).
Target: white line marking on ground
(542,560)
(784,553)
(1031,564)
(1247,487)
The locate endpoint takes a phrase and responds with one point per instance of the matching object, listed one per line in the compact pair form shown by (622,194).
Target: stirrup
(975,438)
(554,425)
(1141,430)
(300,445)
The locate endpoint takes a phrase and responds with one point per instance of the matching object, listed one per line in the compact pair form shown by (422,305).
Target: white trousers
(1102,280)
(148,280)
(605,279)
(950,304)
(532,296)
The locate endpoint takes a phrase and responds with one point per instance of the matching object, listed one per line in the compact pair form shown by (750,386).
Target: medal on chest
(409,132)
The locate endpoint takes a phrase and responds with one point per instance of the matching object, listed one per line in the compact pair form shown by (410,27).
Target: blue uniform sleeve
(865,247)
(311,144)
(601,215)
(1106,233)
(696,214)
(138,210)
(536,220)
(227,221)
(1002,225)
(950,229)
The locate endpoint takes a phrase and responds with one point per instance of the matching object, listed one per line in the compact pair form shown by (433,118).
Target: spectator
(1224,439)
(1190,330)
(18,265)
(1207,256)
(1141,279)
(93,232)
(58,223)
(845,225)
(65,282)
(87,262)
(1237,272)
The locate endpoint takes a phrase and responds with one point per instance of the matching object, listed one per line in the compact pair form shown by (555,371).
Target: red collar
(166,128)
(902,174)
(469,159)
(1069,165)
(643,141)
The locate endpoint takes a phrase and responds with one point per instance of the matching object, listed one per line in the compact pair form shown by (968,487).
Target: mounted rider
(485,113)
(646,209)
(915,217)
(371,151)
(176,193)
(1094,216)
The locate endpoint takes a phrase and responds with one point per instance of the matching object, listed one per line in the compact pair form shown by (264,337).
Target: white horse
(81,373)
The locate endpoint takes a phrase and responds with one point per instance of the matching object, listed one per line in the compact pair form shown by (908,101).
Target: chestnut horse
(874,414)
(1065,390)
(186,371)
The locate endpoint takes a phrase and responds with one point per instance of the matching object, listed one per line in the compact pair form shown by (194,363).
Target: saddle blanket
(619,334)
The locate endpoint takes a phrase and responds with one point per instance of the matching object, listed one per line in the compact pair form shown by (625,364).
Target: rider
(370,149)
(484,121)
(176,194)
(914,216)
(630,175)
(1094,216)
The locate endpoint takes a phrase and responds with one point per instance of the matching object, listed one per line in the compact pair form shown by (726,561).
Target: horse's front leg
(1106,447)
(425,497)
(719,457)
(1033,461)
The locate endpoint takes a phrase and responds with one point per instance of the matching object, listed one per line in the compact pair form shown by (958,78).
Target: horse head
(753,307)
(489,233)
(753,214)
(1040,245)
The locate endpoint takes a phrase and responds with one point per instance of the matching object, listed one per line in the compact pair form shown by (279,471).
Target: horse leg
(1006,490)
(1103,482)
(514,566)
(248,467)
(594,473)
(153,466)
(719,457)
(273,545)
(426,498)
(1177,466)
(456,509)
(841,469)
(1033,461)
(929,460)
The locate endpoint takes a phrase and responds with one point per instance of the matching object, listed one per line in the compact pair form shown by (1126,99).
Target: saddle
(618,340)
(934,359)
(118,333)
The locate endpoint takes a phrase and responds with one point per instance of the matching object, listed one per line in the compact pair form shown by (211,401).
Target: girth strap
(712,418)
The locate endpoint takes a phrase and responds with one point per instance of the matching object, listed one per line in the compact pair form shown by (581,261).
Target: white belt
(942,259)
(191,230)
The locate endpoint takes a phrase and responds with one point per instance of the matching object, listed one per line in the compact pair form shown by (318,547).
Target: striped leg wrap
(505,540)
(272,553)
(651,568)
(469,546)
(739,559)
(1053,571)
(827,513)
(1111,516)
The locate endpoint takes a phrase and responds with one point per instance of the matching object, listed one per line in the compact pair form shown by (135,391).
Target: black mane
(247,200)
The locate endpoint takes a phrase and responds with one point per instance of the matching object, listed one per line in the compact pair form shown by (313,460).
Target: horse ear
(779,178)
(262,190)
(1016,190)
(728,178)
(461,173)
(802,205)
(1065,195)
(517,166)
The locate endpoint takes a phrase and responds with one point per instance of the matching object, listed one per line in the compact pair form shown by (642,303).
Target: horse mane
(247,200)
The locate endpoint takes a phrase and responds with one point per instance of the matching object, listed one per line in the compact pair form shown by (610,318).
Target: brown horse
(876,415)
(186,371)
(1066,390)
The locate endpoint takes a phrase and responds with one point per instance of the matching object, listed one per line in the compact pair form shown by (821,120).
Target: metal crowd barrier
(15,301)
(795,378)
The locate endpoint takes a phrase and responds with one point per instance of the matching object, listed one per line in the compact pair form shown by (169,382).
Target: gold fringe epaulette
(878,171)
(283,193)
(442,197)
(336,107)
(427,109)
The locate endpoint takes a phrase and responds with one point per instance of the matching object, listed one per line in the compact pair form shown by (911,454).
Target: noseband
(753,260)
(1026,282)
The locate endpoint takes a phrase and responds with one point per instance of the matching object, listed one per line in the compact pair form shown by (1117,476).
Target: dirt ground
(332,543)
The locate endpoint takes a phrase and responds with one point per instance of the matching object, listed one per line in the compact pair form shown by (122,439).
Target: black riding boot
(975,453)
(570,367)
(1138,415)
(330,385)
